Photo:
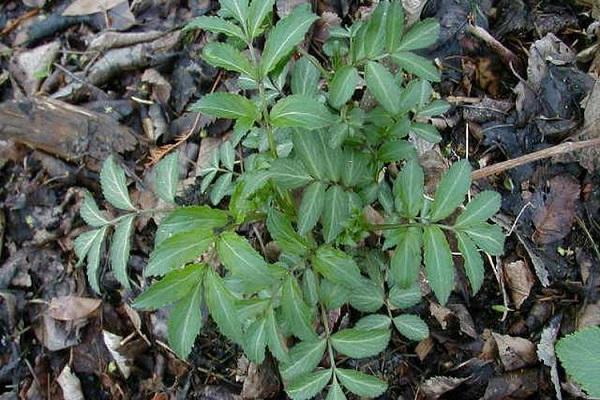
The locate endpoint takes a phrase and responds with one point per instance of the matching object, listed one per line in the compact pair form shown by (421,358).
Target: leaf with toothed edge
(90,212)
(166,176)
(119,249)
(185,322)
(114,185)
(360,384)
(93,259)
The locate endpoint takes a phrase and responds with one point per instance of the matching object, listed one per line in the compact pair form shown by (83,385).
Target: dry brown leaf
(590,316)
(69,308)
(87,7)
(434,388)
(520,280)
(554,219)
(161,88)
(113,344)
(70,385)
(515,352)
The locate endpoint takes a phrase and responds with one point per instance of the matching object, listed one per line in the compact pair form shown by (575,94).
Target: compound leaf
(114,186)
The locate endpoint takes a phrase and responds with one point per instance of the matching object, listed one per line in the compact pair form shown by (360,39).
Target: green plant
(313,159)
(579,354)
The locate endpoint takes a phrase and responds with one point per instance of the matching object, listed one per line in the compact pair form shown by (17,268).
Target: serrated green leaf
(332,159)
(426,132)
(286,35)
(90,212)
(236,254)
(373,321)
(383,87)
(165,178)
(83,243)
(226,105)
(451,191)
(255,341)
(114,186)
(310,287)
(305,78)
(333,295)
(438,262)
(408,189)
(404,298)
(93,259)
(396,150)
(289,174)
(335,392)
(335,212)
(308,385)
(275,340)
(119,249)
(483,206)
(190,218)
(223,55)
(221,306)
(303,358)
(300,111)
(421,35)
(337,266)
(436,107)
(374,40)
(221,188)
(473,262)
(394,26)
(254,181)
(227,155)
(311,207)
(406,261)
(415,95)
(411,327)
(342,86)
(367,297)
(175,285)
(281,230)
(296,312)
(178,250)
(488,237)
(258,11)
(360,384)
(216,25)
(307,147)
(579,354)
(417,65)
(356,168)
(356,343)
(237,8)
(185,322)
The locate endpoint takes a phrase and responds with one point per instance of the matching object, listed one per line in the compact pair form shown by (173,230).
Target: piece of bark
(64,130)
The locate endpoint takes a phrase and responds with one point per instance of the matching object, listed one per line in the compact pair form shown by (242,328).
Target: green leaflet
(185,322)
(257,13)
(237,8)
(342,86)
(472,261)
(83,243)
(307,147)
(337,266)
(275,340)
(411,326)
(178,250)
(227,153)
(483,206)
(281,230)
(335,392)
(255,341)
(310,287)
(303,358)
(216,25)
(243,261)
(221,188)
(286,35)
(383,87)
(332,159)
(175,285)
(305,78)
(226,105)
(90,212)
(333,295)
(404,298)
(408,189)
(221,305)
(311,207)
(165,178)
(357,343)
(438,262)
(297,314)
(451,190)
(436,107)
(360,384)
(93,258)
(421,35)
(394,26)
(417,65)
(289,174)
(335,212)
(308,385)
(426,132)
(355,169)
(185,219)
(367,297)
(120,247)
(579,354)
(396,150)
(300,111)
(373,321)
(488,238)
(223,55)
(114,186)
(406,260)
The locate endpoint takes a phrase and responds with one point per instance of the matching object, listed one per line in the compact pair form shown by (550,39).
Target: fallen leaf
(554,219)
(520,280)
(161,88)
(70,385)
(545,352)
(261,381)
(30,67)
(465,321)
(424,348)
(69,308)
(434,388)
(440,313)
(87,7)
(590,316)
(113,344)
(515,352)
(514,385)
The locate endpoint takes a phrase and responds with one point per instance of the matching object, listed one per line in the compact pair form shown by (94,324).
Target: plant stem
(328,334)
(386,227)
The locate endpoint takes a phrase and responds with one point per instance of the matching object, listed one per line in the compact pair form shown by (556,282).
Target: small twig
(562,148)
(12,25)
(508,57)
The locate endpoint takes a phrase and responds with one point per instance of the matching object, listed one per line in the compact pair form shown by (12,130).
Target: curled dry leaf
(545,352)
(520,280)
(554,219)
(69,308)
(87,7)
(515,352)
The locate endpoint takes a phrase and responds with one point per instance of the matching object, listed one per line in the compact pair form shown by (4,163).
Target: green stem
(328,334)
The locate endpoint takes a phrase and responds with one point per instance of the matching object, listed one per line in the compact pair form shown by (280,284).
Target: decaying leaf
(545,352)
(553,220)
(70,385)
(86,7)
(434,388)
(69,308)
(113,343)
(520,280)
(515,352)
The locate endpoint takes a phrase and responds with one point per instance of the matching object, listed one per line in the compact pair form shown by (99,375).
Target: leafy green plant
(579,354)
(314,156)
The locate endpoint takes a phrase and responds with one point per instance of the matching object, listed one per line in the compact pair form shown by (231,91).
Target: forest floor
(521,76)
